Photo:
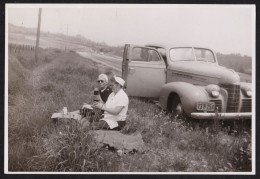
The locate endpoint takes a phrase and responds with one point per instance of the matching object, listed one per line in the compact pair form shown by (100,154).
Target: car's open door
(143,69)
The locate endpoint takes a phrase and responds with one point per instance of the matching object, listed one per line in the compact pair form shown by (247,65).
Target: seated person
(104,89)
(86,113)
(115,108)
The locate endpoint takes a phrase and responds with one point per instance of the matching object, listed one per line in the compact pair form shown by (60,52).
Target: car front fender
(189,95)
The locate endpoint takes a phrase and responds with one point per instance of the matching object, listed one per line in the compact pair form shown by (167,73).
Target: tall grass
(35,92)
(66,79)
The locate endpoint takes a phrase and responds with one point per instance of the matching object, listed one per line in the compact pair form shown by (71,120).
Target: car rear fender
(189,95)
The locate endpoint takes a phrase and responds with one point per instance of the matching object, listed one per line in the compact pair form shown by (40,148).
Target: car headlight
(246,89)
(249,93)
(213,90)
(215,94)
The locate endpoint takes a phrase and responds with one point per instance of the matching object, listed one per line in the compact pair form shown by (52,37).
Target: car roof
(169,46)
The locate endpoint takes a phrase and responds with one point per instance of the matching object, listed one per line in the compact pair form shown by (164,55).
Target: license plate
(204,106)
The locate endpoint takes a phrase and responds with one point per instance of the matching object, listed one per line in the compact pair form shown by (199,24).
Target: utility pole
(38,35)
(67,37)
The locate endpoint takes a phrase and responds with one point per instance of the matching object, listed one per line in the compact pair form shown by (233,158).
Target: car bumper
(222,116)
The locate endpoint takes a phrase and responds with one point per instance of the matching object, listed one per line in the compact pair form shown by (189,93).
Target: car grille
(218,104)
(233,97)
(246,105)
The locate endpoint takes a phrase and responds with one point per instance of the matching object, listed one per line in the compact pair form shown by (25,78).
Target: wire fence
(14,48)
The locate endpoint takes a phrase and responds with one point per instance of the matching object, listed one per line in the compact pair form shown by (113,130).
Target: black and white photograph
(130,89)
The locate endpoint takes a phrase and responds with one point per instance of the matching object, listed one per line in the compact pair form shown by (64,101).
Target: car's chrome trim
(222,116)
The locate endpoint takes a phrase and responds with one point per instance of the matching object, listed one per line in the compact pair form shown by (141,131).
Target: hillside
(25,35)
(17,34)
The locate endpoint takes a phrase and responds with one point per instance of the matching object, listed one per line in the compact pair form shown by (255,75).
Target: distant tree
(235,61)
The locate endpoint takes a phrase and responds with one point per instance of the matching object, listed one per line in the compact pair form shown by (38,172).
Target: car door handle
(130,68)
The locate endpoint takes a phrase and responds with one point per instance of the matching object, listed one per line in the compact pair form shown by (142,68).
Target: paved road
(112,62)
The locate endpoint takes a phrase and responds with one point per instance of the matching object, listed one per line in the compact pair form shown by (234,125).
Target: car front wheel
(176,108)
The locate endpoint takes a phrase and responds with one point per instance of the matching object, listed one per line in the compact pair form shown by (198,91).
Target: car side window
(154,56)
(145,55)
(139,54)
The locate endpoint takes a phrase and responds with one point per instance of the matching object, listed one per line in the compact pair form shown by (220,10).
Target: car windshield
(191,54)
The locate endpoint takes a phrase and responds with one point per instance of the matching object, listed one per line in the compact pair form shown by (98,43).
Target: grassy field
(65,79)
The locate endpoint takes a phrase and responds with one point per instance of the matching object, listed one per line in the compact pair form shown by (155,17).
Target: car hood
(203,72)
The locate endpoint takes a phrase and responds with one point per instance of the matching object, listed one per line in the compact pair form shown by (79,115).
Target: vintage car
(186,80)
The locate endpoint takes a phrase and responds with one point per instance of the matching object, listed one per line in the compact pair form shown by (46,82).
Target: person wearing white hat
(115,108)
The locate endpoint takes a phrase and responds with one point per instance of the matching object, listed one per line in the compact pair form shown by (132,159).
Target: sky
(223,28)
